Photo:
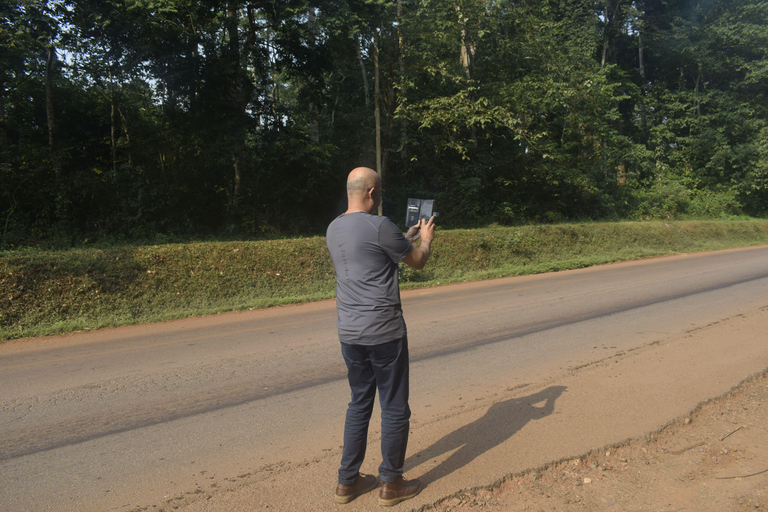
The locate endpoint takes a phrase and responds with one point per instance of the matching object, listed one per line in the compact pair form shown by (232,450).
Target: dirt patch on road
(713,459)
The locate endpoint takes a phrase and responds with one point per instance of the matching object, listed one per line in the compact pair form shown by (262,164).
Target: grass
(49,292)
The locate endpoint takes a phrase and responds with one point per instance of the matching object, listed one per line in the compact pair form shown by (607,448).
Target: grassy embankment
(53,292)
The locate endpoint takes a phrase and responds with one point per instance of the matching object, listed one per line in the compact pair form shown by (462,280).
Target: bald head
(361,180)
(363,190)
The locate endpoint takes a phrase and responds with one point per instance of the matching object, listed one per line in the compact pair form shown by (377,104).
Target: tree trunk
(272,87)
(3,131)
(124,124)
(112,140)
(698,80)
(237,101)
(49,63)
(365,74)
(467,50)
(606,35)
(640,55)
(467,56)
(237,161)
(314,123)
(641,64)
(377,108)
(403,84)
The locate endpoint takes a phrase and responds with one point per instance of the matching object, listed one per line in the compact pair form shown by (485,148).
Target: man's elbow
(415,260)
(418,265)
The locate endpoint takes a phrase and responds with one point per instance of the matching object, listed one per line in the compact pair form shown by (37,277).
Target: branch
(733,432)
(683,450)
(741,476)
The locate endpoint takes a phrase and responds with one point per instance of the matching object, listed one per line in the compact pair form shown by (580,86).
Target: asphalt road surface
(244,411)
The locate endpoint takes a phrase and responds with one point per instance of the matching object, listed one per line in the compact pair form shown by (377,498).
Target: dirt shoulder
(713,459)
(593,420)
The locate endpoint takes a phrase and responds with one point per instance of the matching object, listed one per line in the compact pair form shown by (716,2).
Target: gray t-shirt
(366,250)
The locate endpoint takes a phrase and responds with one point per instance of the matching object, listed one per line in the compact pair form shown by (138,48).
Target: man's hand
(418,257)
(427,230)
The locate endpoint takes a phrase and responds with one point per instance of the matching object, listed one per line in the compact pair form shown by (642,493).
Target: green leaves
(184,117)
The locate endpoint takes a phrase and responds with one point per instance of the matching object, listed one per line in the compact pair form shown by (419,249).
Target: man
(366,250)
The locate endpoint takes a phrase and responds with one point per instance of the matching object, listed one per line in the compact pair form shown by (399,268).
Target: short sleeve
(393,242)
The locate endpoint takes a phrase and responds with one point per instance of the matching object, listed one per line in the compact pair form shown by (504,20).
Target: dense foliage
(132,119)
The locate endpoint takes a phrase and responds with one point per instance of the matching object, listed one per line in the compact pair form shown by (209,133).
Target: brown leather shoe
(401,490)
(363,484)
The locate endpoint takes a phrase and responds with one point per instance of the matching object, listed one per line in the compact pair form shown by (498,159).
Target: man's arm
(418,257)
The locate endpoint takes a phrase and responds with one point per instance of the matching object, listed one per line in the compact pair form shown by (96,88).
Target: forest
(133,120)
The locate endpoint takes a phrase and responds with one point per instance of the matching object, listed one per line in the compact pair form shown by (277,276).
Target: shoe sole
(343,500)
(394,501)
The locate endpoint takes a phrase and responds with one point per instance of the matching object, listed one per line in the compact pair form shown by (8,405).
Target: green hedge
(45,292)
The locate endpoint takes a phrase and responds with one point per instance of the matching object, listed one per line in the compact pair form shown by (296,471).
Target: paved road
(188,412)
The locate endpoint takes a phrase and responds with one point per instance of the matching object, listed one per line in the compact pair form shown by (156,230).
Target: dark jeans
(370,367)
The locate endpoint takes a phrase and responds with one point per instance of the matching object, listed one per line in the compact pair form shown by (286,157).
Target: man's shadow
(500,423)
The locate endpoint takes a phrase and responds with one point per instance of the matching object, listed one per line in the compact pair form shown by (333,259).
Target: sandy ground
(713,459)
(636,431)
